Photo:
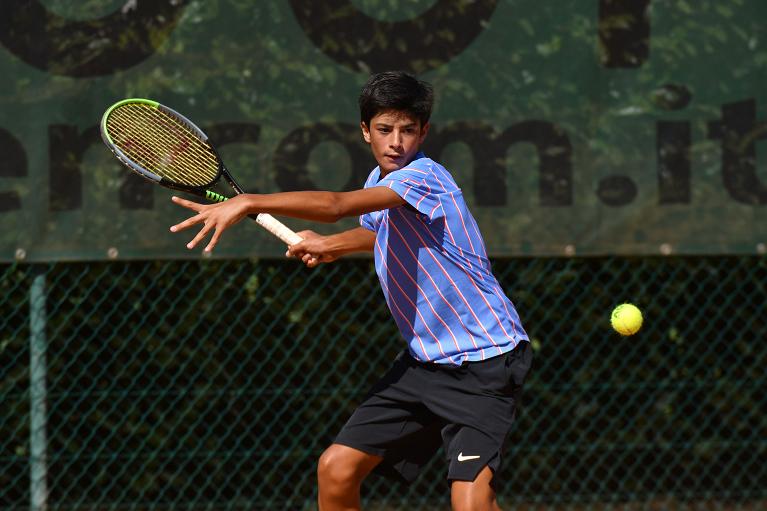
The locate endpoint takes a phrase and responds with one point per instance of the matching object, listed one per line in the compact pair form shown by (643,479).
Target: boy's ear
(365,132)
(424,131)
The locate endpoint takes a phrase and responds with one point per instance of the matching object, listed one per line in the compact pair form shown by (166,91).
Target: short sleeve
(415,186)
(366,221)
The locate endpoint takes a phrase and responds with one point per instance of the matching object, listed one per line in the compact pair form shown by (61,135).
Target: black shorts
(417,406)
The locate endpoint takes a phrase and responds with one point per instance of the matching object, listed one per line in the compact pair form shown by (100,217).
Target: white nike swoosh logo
(461,457)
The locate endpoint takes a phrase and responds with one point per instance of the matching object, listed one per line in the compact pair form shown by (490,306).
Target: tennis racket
(163,146)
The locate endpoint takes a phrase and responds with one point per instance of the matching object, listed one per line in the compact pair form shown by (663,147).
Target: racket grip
(277,228)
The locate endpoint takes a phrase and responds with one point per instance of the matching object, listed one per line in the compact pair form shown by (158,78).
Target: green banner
(574,127)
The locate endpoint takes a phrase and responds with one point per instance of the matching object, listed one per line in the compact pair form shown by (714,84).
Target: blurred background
(611,150)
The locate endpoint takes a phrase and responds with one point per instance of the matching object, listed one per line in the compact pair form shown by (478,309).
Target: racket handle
(277,228)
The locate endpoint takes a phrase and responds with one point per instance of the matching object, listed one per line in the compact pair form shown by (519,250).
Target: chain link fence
(217,384)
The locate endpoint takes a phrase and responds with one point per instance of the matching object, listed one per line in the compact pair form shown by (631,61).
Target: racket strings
(162,144)
(168,148)
(171,158)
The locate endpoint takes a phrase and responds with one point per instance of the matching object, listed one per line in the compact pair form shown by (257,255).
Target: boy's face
(394,138)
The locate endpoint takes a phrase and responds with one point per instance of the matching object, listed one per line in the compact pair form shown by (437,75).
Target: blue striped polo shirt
(433,267)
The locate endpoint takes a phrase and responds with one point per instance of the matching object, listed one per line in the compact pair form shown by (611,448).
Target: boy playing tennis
(467,355)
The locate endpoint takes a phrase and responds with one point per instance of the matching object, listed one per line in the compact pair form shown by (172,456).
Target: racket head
(161,145)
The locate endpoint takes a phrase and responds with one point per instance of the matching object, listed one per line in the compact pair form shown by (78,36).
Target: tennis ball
(626,319)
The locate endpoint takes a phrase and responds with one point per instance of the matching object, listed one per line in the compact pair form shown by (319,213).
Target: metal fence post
(38,459)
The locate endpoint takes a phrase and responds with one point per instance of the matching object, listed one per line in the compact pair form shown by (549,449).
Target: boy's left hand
(313,250)
(216,217)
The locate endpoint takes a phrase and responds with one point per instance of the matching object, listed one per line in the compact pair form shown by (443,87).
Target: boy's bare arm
(325,206)
(316,249)
(309,205)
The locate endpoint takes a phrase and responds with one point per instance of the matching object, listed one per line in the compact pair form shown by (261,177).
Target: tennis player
(457,383)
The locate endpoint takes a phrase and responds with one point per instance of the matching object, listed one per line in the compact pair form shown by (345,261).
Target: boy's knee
(335,469)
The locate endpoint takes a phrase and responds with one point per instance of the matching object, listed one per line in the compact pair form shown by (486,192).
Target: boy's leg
(479,403)
(340,473)
(476,495)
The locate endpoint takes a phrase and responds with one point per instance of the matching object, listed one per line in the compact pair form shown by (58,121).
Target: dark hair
(396,90)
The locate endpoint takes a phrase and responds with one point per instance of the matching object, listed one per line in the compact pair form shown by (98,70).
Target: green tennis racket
(163,146)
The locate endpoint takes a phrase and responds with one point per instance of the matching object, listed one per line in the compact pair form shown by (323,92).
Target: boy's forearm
(310,205)
(320,206)
(352,241)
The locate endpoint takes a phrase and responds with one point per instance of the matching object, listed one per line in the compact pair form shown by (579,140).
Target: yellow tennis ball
(626,319)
